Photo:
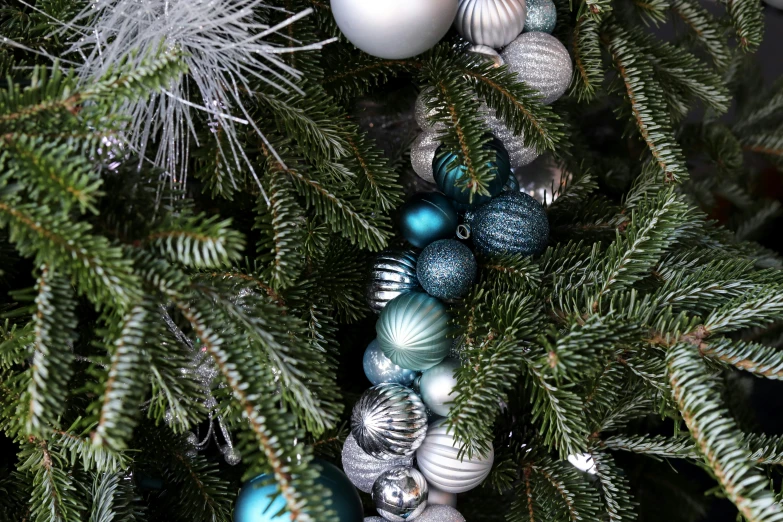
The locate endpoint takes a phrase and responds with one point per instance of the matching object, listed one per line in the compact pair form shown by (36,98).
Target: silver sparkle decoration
(441,498)
(393,273)
(362,469)
(421,113)
(446,269)
(438,459)
(389,421)
(494,23)
(518,153)
(541,16)
(400,494)
(542,62)
(440,513)
(486,53)
(437,385)
(423,153)
(394,29)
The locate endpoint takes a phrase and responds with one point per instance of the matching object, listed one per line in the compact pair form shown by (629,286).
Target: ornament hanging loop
(463,231)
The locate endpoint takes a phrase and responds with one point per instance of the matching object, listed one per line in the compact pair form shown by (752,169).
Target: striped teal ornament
(512,223)
(413,331)
(448,171)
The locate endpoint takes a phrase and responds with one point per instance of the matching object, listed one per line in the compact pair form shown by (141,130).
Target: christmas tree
(194,196)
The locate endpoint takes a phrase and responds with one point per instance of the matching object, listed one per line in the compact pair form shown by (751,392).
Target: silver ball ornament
(400,494)
(423,154)
(389,421)
(422,113)
(494,23)
(486,53)
(231,455)
(519,154)
(441,498)
(436,386)
(542,62)
(380,369)
(362,469)
(541,16)
(394,29)
(438,460)
(393,273)
(440,513)
(447,269)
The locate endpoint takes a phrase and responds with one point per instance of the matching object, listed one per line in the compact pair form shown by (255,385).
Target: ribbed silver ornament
(542,62)
(362,469)
(423,154)
(494,23)
(389,421)
(393,273)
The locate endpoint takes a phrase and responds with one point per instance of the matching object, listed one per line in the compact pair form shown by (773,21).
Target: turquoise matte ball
(259,500)
(448,171)
(427,217)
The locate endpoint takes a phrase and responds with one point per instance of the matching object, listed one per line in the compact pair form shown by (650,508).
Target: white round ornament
(436,386)
(438,460)
(362,469)
(542,62)
(394,29)
(494,23)
(423,154)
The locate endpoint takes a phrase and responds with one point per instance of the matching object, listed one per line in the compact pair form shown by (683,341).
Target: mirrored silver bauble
(438,460)
(541,16)
(393,273)
(436,386)
(494,23)
(362,469)
(519,154)
(389,421)
(440,513)
(423,154)
(380,369)
(422,113)
(394,29)
(542,62)
(400,494)
(441,498)
(486,53)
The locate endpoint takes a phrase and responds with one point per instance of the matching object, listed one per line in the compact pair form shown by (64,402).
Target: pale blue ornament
(541,16)
(512,223)
(446,269)
(380,369)
(436,386)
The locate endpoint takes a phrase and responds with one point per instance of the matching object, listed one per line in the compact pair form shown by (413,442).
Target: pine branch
(614,488)
(197,241)
(747,17)
(706,29)
(762,361)
(656,446)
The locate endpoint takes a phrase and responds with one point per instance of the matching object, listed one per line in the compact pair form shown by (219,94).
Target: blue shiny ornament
(413,331)
(512,223)
(541,16)
(259,500)
(448,171)
(512,185)
(380,369)
(427,217)
(446,269)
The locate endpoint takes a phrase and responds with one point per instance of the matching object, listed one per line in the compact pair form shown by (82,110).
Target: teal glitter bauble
(446,269)
(427,217)
(512,223)
(259,500)
(413,331)
(541,16)
(448,170)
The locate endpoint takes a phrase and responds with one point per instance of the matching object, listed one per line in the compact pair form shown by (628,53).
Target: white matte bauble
(494,23)
(442,498)
(542,62)
(362,469)
(394,29)
(436,386)
(440,514)
(438,459)
(423,154)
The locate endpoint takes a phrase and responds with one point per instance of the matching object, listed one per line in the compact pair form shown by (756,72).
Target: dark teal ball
(427,217)
(512,223)
(446,269)
(259,500)
(448,171)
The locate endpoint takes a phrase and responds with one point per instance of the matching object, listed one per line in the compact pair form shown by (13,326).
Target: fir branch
(379,182)
(759,360)
(197,241)
(575,499)
(79,448)
(614,488)
(757,308)
(113,499)
(706,29)
(588,63)
(54,494)
(747,17)
(653,445)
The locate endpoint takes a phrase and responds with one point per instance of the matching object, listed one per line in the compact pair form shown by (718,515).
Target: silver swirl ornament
(393,273)
(400,494)
(542,62)
(438,459)
(389,421)
(494,23)
(362,469)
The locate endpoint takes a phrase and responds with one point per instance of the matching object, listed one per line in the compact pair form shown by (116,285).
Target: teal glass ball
(448,171)
(413,331)
(512,223)
(427,217)
(259,500)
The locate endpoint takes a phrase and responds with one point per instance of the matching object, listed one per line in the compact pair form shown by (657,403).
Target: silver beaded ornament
(440,513)
(494,23)
(362,469)
(389,421)
(373,519)
(541,16)
(423,154)
(393,273)
(518,153)
(437,385)
(438,460)
(422,113)
(542,62)
(400,494)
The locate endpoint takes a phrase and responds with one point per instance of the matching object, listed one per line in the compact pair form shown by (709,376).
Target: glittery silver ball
(437,386)
(446,269)
(519,154)
(440,513)
(423,154)
(542,62)
(231,456)
(389,421)
(393,273)
(422,113)
(441,498)
(512,223)
(362,469)
(494,23)
(400,494)
(486,53)
(541,16)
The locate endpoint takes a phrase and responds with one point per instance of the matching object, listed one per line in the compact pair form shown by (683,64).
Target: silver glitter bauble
(423,154)
(542,62)
(400,494)
(440,513)
(541,16)
(512,223)
(519,154)
(393,273)
(486,53)
(441,498)
(231,455)
(446,269)
(542,180)
(389,421)
(394,29)
(362,469)
(494,23)
(438,459)
(436,386)
(421,113)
